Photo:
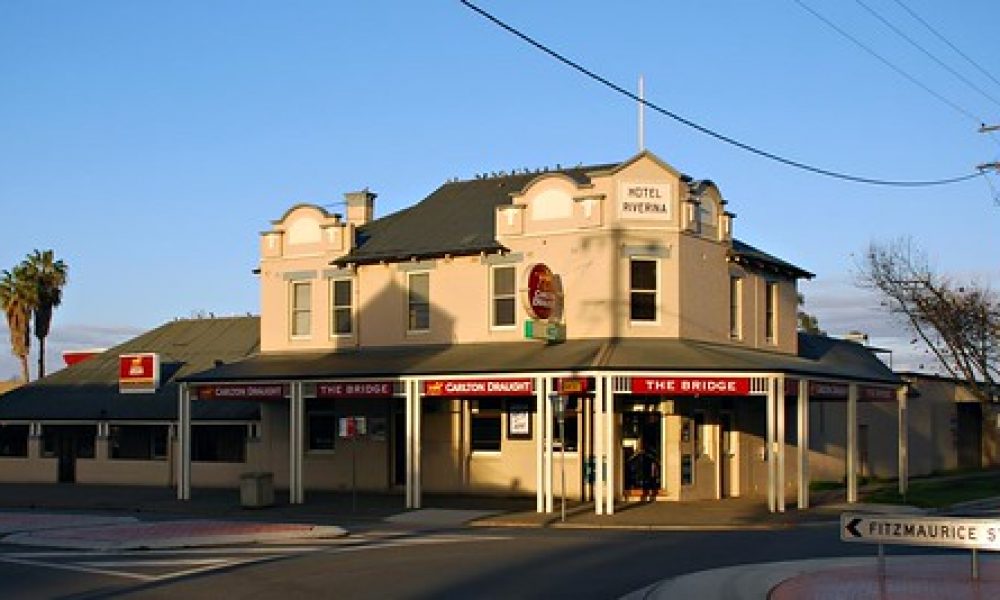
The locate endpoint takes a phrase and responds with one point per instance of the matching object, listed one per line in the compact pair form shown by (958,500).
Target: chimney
(360,207)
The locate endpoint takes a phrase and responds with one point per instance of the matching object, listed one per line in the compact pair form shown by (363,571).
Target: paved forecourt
(125,533)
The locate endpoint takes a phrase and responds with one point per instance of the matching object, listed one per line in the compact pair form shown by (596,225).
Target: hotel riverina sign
(646,201)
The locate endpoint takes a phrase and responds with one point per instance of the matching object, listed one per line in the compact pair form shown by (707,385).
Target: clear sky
(149,143)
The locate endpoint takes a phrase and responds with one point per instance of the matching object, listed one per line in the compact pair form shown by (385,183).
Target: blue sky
(149,143)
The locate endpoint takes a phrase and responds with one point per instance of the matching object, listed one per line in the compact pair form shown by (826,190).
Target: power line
(945,40)
(927,53)
(701,128)
(886,62)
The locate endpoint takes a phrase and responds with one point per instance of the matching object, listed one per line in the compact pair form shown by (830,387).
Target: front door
(728,485)
(642,450)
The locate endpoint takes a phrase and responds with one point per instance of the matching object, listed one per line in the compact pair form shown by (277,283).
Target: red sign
(479,387)
(541,298)
(572,385)
(138,373)
(267,391)
(692,386)
(360,389)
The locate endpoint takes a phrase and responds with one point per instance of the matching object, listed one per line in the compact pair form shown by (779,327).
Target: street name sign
(947,532)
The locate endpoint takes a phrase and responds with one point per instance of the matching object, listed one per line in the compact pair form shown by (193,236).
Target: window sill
(487,453)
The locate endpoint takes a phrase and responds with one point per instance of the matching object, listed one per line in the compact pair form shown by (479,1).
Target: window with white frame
(642,289)
(504,295)
(300,318)
(321,425)
(341,316)
(418,302)
(771,312)
(735,307)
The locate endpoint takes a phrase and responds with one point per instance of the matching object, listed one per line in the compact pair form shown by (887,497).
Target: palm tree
(48,276)
(17,298)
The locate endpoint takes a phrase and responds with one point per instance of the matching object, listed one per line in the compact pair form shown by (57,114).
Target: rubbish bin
(256,490)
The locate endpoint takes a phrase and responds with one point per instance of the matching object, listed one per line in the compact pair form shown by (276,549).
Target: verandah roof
(819,357)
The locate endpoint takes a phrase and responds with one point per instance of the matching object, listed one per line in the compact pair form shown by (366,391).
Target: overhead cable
(926,52)
(701,128)
(887,63)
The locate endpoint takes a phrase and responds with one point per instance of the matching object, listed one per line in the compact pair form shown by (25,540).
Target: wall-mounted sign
(519,420)
(265,391)
(479,387)
(820,390)
(646,201)
(352,427)
(541,295)
(692,386)
(138,373)
(572,385)
(356,389)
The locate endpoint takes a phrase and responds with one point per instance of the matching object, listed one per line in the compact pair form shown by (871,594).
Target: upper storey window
(418,302)
(504,294)
(771,312)
(300,318)
(341,317)
(642,290)
(735,307)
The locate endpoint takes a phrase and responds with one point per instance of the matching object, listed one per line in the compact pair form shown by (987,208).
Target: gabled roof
(89,390)
(819,357)
(457,218)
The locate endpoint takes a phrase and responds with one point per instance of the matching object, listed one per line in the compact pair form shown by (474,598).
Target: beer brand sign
(542,297)
(265,391)
(479,387)
(138,373)
(692,386)
(646,201)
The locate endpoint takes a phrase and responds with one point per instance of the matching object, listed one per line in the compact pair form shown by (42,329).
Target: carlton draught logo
(542,295)
(138,373)
(434,388)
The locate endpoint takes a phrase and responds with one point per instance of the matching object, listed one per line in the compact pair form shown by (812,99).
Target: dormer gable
(307,230)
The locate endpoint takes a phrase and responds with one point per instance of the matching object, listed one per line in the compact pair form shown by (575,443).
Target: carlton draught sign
(138,373)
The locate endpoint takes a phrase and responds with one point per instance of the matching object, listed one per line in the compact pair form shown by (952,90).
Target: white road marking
(72,567)
(111,563)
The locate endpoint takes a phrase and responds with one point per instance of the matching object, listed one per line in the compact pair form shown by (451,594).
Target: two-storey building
(600,321)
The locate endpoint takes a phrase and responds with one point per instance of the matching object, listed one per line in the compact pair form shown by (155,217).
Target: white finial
(642,98)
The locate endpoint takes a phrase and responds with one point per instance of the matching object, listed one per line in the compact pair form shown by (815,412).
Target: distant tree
(48,277)
(960,324)
(18,298)
(807,322)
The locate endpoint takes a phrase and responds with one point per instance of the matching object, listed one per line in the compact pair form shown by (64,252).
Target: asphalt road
(469,563)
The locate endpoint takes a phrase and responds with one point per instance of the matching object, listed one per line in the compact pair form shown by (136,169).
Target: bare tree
(959,323)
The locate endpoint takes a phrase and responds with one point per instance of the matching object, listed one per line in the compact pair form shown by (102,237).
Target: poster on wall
(519,421)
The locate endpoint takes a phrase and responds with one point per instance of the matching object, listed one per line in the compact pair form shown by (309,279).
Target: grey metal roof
(758,259)
(457,218)
(819,357)
(89,390)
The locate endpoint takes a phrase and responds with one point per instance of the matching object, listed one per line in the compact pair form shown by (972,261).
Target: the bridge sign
(948,532)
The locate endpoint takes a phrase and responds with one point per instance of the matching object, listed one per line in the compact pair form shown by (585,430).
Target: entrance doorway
(68,443)
(642,451)
(399,448)
(728,481)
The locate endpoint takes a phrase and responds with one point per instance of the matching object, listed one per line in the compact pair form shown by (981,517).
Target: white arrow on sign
(948,532)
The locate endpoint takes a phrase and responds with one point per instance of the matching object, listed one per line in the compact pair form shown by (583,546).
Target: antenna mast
(642,132)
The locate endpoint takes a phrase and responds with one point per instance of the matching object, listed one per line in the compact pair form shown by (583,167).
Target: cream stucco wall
(580,231)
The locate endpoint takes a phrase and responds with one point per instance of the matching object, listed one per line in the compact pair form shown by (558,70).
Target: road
(390,563)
